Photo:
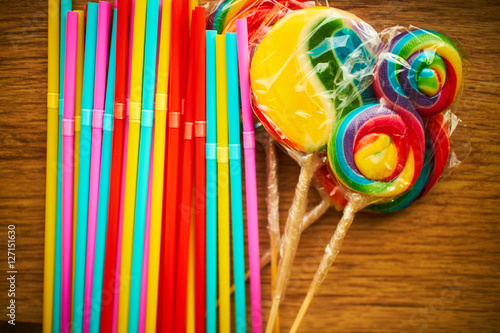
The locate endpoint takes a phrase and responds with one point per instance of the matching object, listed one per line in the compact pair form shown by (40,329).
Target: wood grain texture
(434,267)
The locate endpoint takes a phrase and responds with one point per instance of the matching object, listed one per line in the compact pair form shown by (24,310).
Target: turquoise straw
(84,172)
(211,156)
(102,210)
(233,106)
(66,5)
(147,117)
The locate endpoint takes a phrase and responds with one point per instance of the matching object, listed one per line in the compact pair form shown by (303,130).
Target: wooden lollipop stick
(273,214)
(355,204)
(292,232)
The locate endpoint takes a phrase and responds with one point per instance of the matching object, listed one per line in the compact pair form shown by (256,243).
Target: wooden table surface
(433,267)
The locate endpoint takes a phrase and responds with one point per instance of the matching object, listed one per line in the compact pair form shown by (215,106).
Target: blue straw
(147,117)
(84,172)
(211,156)
(233,105)
(66,5)
(102,210)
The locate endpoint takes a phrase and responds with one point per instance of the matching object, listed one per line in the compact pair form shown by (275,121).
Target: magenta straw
(68,132)
(124,169)
(95,156)
(250,174)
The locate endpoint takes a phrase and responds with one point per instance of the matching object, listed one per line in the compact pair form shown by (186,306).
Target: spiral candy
(436,156)
(299,68)
(370,152)
(421,67)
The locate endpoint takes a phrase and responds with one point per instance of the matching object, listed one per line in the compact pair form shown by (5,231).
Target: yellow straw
(78,111)
(158,169)
(132,159)
(51,170)
(190,323)
(223,187)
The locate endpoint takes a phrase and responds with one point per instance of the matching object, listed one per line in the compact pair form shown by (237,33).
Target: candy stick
(200,187)
(223,186)
(68,133)
(185,204)
(66,5)
(84,169)
(177,92)
(158,169)
(51,169)
(102,211)
(211,189)
(95,157)
(78,104)
(250,175)
(108,292)
(233,105)
(129,211)
(146,123)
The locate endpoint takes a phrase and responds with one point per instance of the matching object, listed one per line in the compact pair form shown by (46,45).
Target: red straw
(123,13)
(177,92)
(197,29)
(199,181)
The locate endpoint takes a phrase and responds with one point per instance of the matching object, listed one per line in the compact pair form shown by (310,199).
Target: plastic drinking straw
(124,170)
(147,234)
(250,175)
(158,168)
(108,291)
(84,171)
(200,187)
(211,197)
(129,209)
(76,149)
(68,131)
(102,210)
(95,157)
(186,185)
(223,187)
(66,5)
(177,92)
(51,169)
(233,106)
(190,320)
(146,124)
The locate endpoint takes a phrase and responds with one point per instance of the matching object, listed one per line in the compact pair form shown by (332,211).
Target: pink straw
(68,132)
(95,156)
(250,174)
(124,168)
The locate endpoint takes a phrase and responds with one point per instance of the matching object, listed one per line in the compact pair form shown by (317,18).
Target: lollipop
(224,18)
(378,151)
(295,72)
(436,156)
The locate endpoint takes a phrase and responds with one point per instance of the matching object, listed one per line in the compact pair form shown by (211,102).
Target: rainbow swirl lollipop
(371,151)
(230,10)
(298,70)
(421,66)
(261,16)
(436,156)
